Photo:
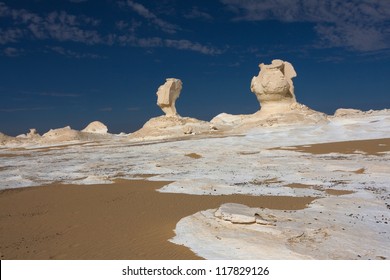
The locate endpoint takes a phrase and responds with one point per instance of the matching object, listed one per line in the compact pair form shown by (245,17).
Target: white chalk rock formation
(96,127)
(342,112)
(5,139)
(167,95)
(171,125)
(61,135)
(33,133)
(165,127)
(274,90)
(273,86)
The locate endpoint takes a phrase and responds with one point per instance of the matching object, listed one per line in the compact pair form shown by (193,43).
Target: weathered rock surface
(165,127)
(96,127)
(274,90)
(171,125)
(61,135)
(342,112)
(167,95)
(242,214)
(273,86)
(4,139)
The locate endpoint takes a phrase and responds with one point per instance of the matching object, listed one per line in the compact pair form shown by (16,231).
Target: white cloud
(59,94)
(64,27)
(70,53)
(105,109)
(155,42)
(196,13)
(192,46)
(10,35)
(59,26)
(12,52)
(360,25)
(11,110)
(147,14)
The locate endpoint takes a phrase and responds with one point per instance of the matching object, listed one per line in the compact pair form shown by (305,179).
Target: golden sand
(125,220)
(370,147)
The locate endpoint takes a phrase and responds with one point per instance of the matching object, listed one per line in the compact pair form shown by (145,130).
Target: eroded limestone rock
(96,127)
(342,112)
(60,135)
(167,95)
(242,214)
(273,86)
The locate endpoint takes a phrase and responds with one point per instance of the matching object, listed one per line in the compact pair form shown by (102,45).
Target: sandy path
(370,147)
(125,220)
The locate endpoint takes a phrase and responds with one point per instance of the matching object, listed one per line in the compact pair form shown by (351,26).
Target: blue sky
(70,62)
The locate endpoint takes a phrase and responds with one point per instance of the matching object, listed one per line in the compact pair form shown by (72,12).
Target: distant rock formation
(4,139)
(96,127)
(273,86)
(171,125)
(274,90)
(33,133)
(167,95)
(347,112)
(94,131)
(61,135)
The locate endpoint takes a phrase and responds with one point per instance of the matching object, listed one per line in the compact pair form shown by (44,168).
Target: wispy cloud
(360,25)
(10,35)
(70,53)
(133,109)
(12,52)
(59,94)
(106,109)
(196,13)
(150,16)
(59,26)
(192,46)
(155,42)
(21,109)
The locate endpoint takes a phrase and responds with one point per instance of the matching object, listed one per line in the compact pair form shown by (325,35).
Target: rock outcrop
(342,112)
(33,133)
(5,139)
(61,135)
(167,95)
(171,125)
(96,127)
(273,86)
(274,90)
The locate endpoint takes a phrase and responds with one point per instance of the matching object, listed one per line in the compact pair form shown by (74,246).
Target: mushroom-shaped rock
(167,95)
(96,127)
(274,86)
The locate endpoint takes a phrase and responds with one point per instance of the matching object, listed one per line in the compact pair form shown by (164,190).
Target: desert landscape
(286,182)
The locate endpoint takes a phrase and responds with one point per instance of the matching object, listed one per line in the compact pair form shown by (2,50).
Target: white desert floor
(354,225)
